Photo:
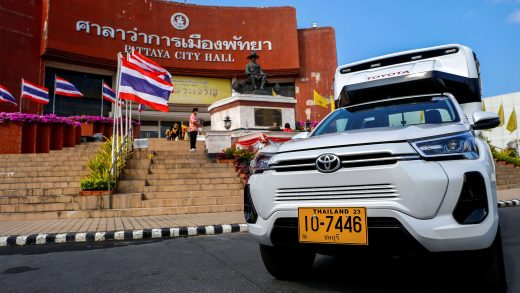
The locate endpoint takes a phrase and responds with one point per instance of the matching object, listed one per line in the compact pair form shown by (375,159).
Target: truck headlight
(460,145)
(260,163)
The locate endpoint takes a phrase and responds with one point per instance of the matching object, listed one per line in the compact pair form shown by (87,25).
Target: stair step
(192,165)
(38,207)
(51,173)
(179,161)
(25,179)
(39,192)
(43,168)
(192,181)
(39,185)
(202,175)
(194,187)
(197,201)
(192,194)
(72,162)
(44,215)
(37,199)
(200,170)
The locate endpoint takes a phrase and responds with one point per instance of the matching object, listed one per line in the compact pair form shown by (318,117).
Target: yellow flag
(421,116)
(320,101)
(332,104)
(511,124)
(273,93)
(501,115)
(483,106)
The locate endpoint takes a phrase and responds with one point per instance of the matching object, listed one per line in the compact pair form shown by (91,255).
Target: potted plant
(226,155)
(100,181)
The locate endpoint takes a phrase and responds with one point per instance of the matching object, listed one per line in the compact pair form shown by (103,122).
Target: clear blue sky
(369,28)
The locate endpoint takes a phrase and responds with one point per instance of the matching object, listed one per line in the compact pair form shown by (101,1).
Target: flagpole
(121,128)
(54,96)
(126,118)
(21,96)
(516,122)
(115,108)
(102,82)
(131,128)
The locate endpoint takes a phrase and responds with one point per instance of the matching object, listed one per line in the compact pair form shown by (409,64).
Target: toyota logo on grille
(328,163)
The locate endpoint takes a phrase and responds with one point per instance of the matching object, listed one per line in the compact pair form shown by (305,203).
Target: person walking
(193,129)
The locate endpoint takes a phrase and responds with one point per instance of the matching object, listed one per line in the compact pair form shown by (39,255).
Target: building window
(88,84)
(268,117)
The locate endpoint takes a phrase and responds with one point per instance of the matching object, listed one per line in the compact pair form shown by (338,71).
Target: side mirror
(301,135)
(485,120)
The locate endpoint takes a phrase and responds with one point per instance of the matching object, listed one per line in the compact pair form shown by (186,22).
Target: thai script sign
(199,90)
(194,41)
(189,40)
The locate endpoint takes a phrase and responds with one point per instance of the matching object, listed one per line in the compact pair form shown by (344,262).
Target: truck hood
(373,135)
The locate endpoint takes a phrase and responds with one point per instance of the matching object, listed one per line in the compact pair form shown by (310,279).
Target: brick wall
(318,61)
(20,35)
(11,142)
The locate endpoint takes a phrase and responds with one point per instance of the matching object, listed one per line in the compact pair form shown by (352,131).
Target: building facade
(500,136)
(204,47)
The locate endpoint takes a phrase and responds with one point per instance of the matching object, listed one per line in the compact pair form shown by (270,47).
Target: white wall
(500,136)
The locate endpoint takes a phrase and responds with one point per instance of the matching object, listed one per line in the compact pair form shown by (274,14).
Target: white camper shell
(450,68)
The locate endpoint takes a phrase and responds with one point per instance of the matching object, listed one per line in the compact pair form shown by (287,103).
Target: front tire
(488,265)
(287,263)
(494,270)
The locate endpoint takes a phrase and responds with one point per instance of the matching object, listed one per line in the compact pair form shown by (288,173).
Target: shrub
(99,167)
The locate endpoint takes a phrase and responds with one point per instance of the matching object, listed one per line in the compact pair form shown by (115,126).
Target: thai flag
(144,87)
(5,96)
(65,88)
(36,93)
(140,60)
(109,94)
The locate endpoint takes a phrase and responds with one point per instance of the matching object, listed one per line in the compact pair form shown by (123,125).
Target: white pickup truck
(397,166)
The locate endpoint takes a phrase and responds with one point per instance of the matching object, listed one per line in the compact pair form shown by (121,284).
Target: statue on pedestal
(256,82)
(254,72)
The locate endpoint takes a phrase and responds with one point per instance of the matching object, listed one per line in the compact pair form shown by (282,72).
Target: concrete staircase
(169,179)
(508,176)
(43,186)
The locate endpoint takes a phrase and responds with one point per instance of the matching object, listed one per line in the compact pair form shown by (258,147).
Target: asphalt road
(229,263)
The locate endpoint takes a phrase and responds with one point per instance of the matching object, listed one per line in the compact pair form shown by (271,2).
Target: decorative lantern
(227,123)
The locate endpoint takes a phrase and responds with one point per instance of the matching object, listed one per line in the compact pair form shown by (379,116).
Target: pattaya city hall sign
(199,40)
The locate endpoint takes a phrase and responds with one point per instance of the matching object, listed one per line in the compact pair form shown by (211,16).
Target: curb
(508,203)
(20,240)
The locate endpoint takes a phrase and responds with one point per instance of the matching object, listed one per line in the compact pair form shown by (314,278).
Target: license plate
(333,225)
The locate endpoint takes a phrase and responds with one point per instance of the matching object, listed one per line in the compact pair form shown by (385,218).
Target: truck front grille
(347,161)
(336,192)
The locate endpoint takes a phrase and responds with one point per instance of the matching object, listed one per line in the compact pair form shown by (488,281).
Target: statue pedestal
(253,112)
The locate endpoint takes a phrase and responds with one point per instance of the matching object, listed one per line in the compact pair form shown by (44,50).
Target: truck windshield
(390,113)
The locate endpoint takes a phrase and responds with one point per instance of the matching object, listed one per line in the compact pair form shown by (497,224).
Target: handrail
(114,160)
(113,171)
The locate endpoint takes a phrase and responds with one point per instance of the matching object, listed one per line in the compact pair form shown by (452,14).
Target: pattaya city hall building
(204,47)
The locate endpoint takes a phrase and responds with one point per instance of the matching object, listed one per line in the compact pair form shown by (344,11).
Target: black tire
(486,266)
(494,271)
(287,263)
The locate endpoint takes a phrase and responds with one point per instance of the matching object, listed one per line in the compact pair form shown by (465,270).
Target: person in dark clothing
(175,132)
